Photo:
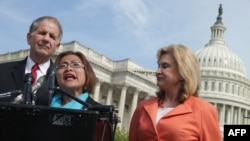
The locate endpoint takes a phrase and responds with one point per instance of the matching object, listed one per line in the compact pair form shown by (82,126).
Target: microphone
(51,82)
(28,79)
(39,83)
(8,94)
(18,99)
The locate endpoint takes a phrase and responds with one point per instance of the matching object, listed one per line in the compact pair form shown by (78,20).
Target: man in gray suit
(44,38)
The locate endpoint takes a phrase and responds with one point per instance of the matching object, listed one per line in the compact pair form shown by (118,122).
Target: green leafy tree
(121,135)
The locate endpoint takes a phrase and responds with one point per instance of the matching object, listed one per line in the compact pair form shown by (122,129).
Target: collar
(42,67)
(57,101)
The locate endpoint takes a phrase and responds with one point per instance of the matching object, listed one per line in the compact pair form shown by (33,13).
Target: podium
(41,123)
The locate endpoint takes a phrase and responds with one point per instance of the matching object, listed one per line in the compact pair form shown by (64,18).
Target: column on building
(134,102)
(228,115)
(122,102)
(232,115)
(109,95)
(219,107)
(216,106)
(239,116)
(223,114)
(97,91)
(235,115)
(246,117)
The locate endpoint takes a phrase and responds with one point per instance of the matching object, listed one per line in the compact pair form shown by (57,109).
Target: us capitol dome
(224,81)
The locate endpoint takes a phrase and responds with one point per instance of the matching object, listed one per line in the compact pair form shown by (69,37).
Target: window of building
(205,85)
(220,87)
(243,91)
(226,88)
(239,91)
(213,86)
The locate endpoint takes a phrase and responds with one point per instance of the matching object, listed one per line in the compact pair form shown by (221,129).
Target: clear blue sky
(132,29)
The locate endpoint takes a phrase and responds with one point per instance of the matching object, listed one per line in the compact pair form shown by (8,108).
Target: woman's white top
(161,112)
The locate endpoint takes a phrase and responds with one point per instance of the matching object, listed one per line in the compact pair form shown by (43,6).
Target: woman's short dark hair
(89,72)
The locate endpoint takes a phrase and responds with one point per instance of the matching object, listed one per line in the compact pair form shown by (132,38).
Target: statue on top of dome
(219,18)
(220,10)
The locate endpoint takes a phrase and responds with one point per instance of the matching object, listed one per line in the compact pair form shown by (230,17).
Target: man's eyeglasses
(72,64)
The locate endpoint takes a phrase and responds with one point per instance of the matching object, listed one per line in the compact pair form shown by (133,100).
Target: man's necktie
(34,73)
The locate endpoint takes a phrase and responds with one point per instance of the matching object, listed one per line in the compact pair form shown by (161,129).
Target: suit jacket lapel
(18,73)
(151,109)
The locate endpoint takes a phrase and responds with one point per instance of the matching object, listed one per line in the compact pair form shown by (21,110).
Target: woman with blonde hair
(177,113)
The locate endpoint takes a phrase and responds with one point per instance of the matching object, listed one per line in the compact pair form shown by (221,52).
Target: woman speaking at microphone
(76,76)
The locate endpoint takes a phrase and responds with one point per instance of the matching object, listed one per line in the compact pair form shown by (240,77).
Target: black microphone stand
(58,89)
(51,82)
(28,79)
